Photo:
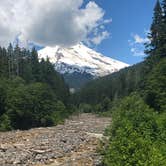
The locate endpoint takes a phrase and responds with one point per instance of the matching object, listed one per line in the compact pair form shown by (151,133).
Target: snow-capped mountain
(80,59)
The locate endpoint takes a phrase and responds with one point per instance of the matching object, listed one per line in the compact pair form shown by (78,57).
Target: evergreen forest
(32,93)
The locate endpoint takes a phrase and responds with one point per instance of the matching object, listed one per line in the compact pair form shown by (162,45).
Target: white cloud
(107,21)
(137,52)
(50,22)
(100,37)
(137,44)
(140,40)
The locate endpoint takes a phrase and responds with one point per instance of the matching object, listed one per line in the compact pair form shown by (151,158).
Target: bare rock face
(72,144)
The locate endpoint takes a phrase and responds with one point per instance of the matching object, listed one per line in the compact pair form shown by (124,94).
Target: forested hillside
(113,86)
(32,92)
(135,97)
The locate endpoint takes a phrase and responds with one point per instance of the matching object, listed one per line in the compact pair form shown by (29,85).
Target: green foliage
(3,63)
(17,62)
(61,113)
(86,108)
(114,86)
(155,89)
(49,76)
(5,123)
(156,31)
(137,135)
(29,105)
(2,97)
(32,93)
(77,80)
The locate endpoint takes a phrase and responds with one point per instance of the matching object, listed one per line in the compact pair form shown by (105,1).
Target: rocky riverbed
(74,143)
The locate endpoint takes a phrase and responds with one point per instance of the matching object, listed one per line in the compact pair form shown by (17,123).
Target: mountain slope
(114,86)
(81,60)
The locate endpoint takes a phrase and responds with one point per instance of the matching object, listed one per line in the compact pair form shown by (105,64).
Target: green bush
(5,123)
(86,108)
(137,135)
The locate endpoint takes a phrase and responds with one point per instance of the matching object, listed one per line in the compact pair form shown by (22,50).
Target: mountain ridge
(81,59)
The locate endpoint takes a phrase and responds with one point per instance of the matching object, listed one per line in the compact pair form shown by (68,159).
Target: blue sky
(129,17)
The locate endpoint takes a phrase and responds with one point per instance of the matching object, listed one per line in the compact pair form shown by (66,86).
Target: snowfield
(80,58)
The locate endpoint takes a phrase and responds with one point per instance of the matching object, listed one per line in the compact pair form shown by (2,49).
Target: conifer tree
(156,30)
(17,52)
(10,59)
(3,62)
(164,7)
(164,28)
(154,47)
(35,64)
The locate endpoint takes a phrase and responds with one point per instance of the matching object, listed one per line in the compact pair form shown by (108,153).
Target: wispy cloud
(99,37)
(140,40)
(137,52)
(137,44)
(107,21)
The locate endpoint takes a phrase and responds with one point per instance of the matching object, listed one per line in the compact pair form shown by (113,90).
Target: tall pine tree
(164,29)
(10,60)
(154,47)
(17,54)
(35,64)
(156,30)
(164,7)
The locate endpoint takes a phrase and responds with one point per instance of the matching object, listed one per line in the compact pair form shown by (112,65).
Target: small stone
(38,157)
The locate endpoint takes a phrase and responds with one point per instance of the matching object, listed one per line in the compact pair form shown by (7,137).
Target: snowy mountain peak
(81,59)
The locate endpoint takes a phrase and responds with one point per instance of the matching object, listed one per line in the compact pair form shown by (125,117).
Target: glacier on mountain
(80,59)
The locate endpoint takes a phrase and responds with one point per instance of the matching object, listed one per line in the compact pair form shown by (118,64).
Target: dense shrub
(32,93)
(29,105)
(137,135)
